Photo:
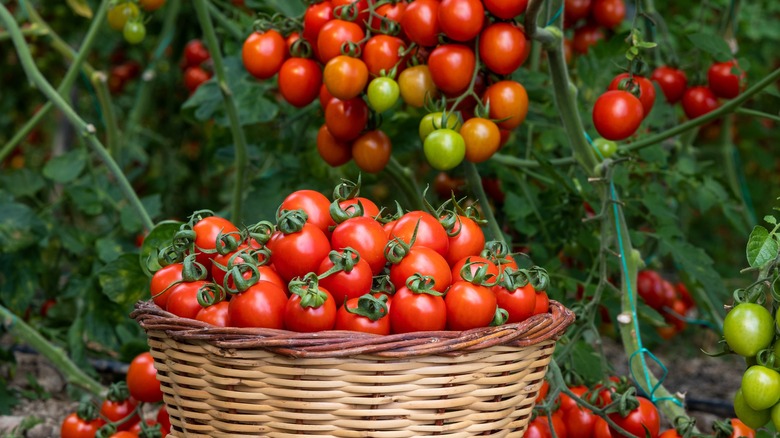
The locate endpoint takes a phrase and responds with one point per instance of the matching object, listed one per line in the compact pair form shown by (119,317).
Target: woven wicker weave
(238,382)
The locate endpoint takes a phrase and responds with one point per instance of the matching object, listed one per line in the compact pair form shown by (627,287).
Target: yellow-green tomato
(417,85)
(134,32)
(444,149)
(120,13)
(433,121)
(382,93)
(760,387)
(748,329)
(606,148)
(753,418)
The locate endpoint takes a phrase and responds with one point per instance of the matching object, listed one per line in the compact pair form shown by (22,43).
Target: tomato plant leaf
(160,236)
(129,218)
(80,7)
(770,219)
(697,265)
(20,279)
(586,361)
(711,43)
(20,227)
(109,249)
(66,167)
(8,398)
(86,197)
(22,182)
(123,281)
(761,247)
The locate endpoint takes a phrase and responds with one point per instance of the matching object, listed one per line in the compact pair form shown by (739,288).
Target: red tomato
(670,433)
(332,151)
(346,119)
(559,426)
(195,76)
(325,97)
(601,429)
(142,379)
(425,261)
(195,53)
(698,101)
(567,402)
(475,263)
(645,416)
(575,10)
(345,77)
(520,303)
(417,312)
(346,285)
(372,151)
(315,204)
(452,66)
(649,286)
(468,240)
(677,306)
(297,254)
(723,82)
(381,53)
(420,22)
(543,390)
(538,428)
(469,306)
(116,410)
(310,319)
(162,282)
(366,236)
(358,323)
(461,20)
(506,9)
(608,13)
(579,422)
(291,39)
(124,434)
(646,89)
(207,231)
(370,209)
(391,11)
(355,6)
(741,429)
(333,35)
(482,138)
(502,47)
(508,102)
(163,419)
(672,81)
(542,303)
(430,232)
(136,429)
(299,81)
(585,37)
(261,305)
(75,427)
(217,314)
(183,299)
(264,53)
(617,115)
(315,17)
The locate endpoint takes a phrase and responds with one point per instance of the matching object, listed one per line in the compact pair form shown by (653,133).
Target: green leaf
(108,249)
(129,218)
(86,197)
(20,227)
(770,219)
(22,182)
(8,398)
(761,247)
(253,107)
(710,43)
(587,362)
(80,7)
(160,236)
(123,281)
(66,167)
(697,265)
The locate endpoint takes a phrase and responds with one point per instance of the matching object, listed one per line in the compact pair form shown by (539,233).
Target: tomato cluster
(342,265)
(128,18)
(591,21)
(673,301)
(360,57)
(122,72)
(195,64)
(118,415)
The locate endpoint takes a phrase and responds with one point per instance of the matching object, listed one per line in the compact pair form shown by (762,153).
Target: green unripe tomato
(775,416)
(748,329)
(134,32)
(433,121)
(753,418)
(760,387)
(444,149)
(606,148)
(383,93)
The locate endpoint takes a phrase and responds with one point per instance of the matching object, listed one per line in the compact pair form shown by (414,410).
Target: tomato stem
(475,184)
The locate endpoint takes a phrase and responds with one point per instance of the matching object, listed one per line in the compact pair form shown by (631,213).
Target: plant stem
(226,23)
(475,184)
(22,331)
(88,130)
(239,138)
(750,112)
(406,182)
(109,116)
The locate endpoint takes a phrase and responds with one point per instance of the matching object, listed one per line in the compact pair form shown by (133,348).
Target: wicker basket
(230,382)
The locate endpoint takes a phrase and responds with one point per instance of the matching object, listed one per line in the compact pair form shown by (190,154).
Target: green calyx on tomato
(383,93)
(422,284)
(370,306)
(309,291)
(438,120)
(291,221)
(444,149)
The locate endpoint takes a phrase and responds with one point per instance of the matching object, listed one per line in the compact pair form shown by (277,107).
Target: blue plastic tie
(555,17)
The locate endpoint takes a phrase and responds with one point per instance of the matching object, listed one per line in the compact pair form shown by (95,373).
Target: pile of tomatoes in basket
(360,57)
(346,265)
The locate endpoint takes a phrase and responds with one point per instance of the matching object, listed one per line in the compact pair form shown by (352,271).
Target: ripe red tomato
(183,299)
(585,37)
(451,67)
(325,97)
(370,209)
(195,76)
(142,379)
(346,285)
(310,319)
(416,312)
(151,5)
(466,239)
(502,47)
(567,402)
(723,82)
(316,15)
(542,303)
(672,81)
(646,89)
(617,115)
(333,35)
(645,416)
(346,119)
(741,429)
(195,53)
(508,102)
(698,101)
(469,305)
(372,150)
(649,287)
(162,280)
(506,9)
(163,419)
(332,151)
(425,261)
(601,429)
(75,427)
(346,320)
(264,53)
(261,305)
(207,232)
(315,204)
(430,232)
(217,314)
(420,22)
(608,13)
(355,6)
(580,422)
(381,53)
(575,10)
(366,236)
(475,263)
(299,81)
(520,303)
(297,254)
(461,20)
(345,77)
(538,428)
(116,410)
(390,11)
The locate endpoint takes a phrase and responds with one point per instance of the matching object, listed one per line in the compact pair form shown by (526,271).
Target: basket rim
(338,343)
